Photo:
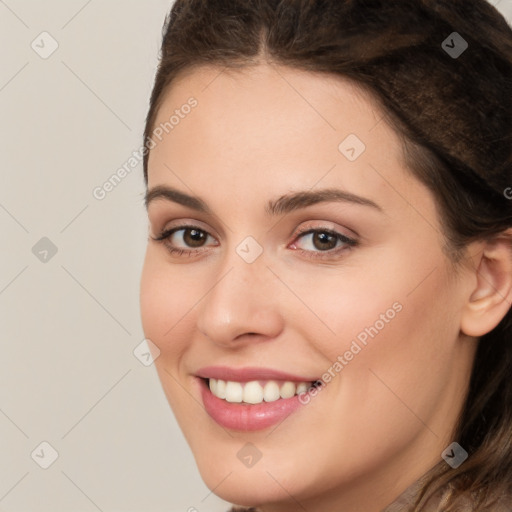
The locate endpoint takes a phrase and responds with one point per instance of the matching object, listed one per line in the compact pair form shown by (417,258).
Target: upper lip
(248,373)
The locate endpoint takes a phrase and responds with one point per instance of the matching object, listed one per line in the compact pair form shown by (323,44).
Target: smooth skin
(258,134)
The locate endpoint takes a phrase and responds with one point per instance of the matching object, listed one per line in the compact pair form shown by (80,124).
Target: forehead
(274,126)
(323,101)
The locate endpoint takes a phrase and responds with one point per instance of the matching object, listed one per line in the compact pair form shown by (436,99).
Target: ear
(491,297)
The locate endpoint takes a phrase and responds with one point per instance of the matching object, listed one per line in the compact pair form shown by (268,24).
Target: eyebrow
(283,204)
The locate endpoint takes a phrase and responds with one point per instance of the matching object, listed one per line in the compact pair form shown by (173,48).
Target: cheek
(391,300)
(396,349)
(167,296)
(387,332)
(357,301)
(166,301)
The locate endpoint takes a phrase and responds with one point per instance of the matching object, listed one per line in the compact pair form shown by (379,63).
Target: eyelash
(349,242)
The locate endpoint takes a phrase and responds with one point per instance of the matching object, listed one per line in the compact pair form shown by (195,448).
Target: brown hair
(453,114)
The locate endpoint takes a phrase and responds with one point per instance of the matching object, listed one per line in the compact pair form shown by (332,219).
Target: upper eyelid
(328,225)
(296,234)
(186,225)
(167,232)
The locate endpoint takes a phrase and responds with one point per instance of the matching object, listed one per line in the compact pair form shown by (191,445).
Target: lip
(249,373)
(246,417)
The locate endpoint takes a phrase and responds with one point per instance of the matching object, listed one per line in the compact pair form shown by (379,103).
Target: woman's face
(309,253)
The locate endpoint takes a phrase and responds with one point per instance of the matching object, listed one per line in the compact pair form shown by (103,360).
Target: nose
(241,306)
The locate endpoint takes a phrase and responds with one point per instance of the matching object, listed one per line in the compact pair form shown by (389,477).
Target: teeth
(271,391)
(302,387)
(234,392)
(253,392)
(287,390)
(220,389)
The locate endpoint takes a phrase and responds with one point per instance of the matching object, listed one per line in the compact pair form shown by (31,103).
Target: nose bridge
(240,301)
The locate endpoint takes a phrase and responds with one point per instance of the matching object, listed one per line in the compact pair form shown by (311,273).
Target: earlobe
(491,298)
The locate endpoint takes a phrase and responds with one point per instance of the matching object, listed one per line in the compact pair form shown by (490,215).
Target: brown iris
(193,237)
(324,240)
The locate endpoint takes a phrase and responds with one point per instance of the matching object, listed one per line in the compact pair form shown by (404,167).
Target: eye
(323,242)
(320,242)
(192,239)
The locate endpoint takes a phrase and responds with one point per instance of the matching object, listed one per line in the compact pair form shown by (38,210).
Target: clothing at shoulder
(405,502)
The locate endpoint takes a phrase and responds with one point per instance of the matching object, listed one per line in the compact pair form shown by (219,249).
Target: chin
(245,487)
(272,479)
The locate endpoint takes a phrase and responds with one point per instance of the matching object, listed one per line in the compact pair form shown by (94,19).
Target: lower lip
(247,417)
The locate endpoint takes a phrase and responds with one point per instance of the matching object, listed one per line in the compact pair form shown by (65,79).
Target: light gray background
(70,324)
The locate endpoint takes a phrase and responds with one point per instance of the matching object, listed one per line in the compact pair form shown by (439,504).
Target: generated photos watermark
(356,346)
(101,191)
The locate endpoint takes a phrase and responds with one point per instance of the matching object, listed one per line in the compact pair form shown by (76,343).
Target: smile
(250,399)
(256,392)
